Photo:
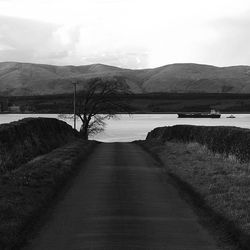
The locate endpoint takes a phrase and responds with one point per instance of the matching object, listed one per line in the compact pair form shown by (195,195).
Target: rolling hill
(40,79)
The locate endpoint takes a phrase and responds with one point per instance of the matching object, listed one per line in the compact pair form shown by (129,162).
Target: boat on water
(231,116)
(212,114)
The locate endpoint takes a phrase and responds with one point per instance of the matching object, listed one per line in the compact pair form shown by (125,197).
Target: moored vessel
(231,116)
(212,114)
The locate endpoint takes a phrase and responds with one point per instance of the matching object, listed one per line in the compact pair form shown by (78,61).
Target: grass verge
(25,193)
(220,185)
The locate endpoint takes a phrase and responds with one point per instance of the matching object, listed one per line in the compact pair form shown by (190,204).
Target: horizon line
(119,67)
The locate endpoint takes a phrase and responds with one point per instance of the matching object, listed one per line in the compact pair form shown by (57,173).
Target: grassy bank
(221,184)
(26,192)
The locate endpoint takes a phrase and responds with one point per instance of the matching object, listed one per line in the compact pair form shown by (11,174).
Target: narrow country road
(122,200)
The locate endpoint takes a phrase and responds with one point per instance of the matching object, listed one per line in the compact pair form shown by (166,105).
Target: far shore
(134,113)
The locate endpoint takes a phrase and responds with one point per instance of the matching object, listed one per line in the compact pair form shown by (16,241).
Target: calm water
(136,127)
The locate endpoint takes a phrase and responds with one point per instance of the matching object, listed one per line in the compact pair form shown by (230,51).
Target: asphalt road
(121,199)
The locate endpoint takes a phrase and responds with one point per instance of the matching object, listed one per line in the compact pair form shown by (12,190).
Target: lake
(136,127)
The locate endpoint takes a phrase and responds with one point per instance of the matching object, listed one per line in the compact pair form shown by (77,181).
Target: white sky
(126,33)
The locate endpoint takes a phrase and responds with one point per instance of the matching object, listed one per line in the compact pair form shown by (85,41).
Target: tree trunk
(85,136)
(84,131)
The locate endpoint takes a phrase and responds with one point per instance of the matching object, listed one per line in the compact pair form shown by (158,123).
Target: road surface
(121,199)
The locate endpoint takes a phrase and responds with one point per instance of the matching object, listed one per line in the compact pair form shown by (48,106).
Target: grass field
(26,192)
(222,183)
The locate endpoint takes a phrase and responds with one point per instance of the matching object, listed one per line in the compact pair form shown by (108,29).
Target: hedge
(25,139)
(220,139)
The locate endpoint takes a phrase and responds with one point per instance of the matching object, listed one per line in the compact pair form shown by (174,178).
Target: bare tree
(101,99)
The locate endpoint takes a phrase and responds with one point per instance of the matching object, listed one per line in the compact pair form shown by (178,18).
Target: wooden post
(74,83)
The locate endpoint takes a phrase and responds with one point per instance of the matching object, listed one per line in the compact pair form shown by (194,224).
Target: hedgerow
(219,139)
(25,139)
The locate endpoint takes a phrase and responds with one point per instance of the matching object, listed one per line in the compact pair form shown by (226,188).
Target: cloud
(231,43)
(23,38)
(126,33)
(40,42)
(119,59)
(34,41)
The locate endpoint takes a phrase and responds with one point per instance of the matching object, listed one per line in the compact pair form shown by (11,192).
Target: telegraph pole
(74,83)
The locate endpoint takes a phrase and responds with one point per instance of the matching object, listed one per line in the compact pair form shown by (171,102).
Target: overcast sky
(125,33)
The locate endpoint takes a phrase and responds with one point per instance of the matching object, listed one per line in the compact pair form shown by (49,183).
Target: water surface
(136,127)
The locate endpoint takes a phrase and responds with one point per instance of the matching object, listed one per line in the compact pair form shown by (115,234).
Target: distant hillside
(39,79)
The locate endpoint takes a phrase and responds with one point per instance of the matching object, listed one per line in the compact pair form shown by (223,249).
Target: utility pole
(74,83)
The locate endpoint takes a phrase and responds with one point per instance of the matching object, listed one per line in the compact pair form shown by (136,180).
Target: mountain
(39,79)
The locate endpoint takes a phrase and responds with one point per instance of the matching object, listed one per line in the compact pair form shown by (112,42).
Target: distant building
(14,109)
